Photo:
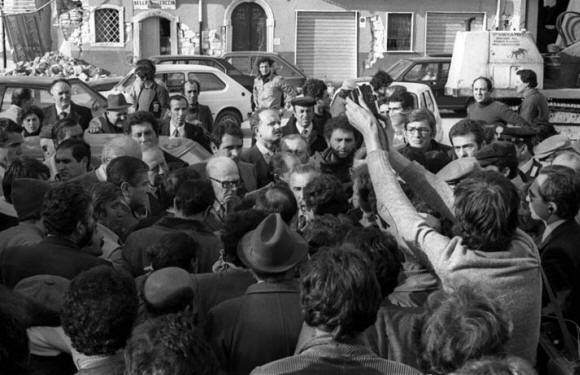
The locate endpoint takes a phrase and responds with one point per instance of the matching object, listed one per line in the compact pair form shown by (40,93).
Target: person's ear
(125,189)
(214,147)
(553,208)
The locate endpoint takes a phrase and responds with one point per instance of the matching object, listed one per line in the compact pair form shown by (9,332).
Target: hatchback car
(226,98)
(431,71)
(246,61)
(222,64)
(81,93)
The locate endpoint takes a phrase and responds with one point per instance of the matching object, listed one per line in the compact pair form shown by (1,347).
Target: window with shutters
(399,32)
(107,26)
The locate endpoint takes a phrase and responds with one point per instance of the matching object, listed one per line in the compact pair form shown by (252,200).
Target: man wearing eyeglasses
(420,132)
(225,181)
(197,114)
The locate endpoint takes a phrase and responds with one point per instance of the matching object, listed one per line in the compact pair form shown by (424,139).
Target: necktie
(305,133)
(176,133)
(62,115)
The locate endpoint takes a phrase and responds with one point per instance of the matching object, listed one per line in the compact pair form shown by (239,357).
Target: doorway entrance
(249,28)
(155,36)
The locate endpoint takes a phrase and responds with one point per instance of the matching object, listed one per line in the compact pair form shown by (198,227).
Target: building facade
(329,39)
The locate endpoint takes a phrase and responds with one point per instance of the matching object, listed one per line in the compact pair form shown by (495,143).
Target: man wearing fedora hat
(262,325)
(111,122)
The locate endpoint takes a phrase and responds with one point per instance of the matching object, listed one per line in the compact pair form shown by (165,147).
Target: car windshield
(398,68)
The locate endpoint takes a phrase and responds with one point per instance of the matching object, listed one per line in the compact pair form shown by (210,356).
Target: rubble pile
(54,65)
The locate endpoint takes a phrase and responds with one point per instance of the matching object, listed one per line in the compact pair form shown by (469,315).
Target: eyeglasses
(419,130)
(233,184)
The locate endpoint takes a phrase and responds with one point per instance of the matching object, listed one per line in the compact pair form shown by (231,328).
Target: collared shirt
(101,173)
(63,112)
(304,132)
(176,131)
(551,227)
(266,153)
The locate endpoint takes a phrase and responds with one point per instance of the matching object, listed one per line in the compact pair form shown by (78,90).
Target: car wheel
(229,115)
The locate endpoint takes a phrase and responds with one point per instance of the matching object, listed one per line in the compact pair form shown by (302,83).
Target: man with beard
(67,215)
(488,110)
(177,127)
(302,122)
(265,124)
(270,89)
(113,120)
(338,157)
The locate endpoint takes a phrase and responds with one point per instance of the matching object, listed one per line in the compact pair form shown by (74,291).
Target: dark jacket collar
(170,221)
(60,242)
(286,286)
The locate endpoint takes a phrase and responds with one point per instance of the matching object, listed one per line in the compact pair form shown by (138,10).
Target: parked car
(246,61)
(226,98)
(222,64)
(105,85)
(432,71)
(81,93)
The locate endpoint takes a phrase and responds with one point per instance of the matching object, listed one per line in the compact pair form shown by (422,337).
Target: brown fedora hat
(272,247)
(116,102)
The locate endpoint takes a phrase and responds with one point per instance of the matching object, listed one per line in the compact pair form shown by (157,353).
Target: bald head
(224,176)
(120,146)
(168,287)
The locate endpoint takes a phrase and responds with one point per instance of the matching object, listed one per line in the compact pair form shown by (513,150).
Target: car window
(173,81)
(7,99)
(444,71)
(429,101)
(208,81)
(242,63)
(415,101)
(422,72)
(283,69)
(398,68)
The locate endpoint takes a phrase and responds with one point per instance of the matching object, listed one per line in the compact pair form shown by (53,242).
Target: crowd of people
(348,240)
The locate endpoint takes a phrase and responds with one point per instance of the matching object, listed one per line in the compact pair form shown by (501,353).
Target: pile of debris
(54,65)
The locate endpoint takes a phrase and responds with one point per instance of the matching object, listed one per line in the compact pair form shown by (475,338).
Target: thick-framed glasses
(418,130)
(233,184)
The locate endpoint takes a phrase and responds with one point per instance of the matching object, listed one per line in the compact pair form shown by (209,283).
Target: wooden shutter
(326,44)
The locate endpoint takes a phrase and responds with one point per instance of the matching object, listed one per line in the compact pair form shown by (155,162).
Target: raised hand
(364,121)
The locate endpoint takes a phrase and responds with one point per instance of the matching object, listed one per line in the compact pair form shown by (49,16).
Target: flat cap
(303,101)
(166,283)
(45,290)
(458,169)
(550,145)
(494,152)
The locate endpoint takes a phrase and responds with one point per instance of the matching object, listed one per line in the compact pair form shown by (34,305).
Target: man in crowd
(177,127)
(296,145)
(10,143)
(144,128)
(21,100)
(67,215)
(332,278)
(146,94)
(534,107)
(197,114)
(64,107)
(421,130)
(192,200)
(488,110)
(492,252)
(72,159)
(399,104)
(263,324)
(118,146)
(266,127)
(270,89)
(553,199)
(224,175)
(466,138)
(338,157)
(302,122)
(113,120)
(317,89)
(98,312)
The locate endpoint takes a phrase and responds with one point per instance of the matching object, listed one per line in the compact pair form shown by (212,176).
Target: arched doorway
(154,33)
(249,25)
(249,28)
